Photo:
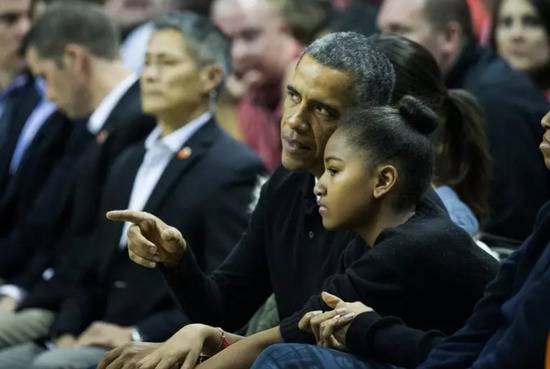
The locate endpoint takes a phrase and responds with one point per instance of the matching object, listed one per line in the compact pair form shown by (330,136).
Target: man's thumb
(172,240)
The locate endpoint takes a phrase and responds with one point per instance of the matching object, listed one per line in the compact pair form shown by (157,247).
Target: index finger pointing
(129,216)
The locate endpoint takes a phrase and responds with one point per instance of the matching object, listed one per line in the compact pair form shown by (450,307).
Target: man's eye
(293,96)
(250,35)
(169,62)
(322,110)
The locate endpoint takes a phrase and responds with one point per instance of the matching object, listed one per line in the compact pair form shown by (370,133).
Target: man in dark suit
(14,24)
(189,172)
(33,136)
(73,47)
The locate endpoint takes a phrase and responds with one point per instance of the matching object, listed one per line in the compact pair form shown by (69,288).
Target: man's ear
(77,58)
(386,180)
(211,76)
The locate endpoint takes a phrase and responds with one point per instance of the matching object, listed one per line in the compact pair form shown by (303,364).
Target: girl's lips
(322,210)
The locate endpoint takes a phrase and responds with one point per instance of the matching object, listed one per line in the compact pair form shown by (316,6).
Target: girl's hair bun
(417,115)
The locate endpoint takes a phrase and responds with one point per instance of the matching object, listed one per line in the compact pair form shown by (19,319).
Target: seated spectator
(171,176)
(509,327)
(262,49)
(510,101)
(73,46)
(462,162)
(362,271)
(521,36)
(36,135)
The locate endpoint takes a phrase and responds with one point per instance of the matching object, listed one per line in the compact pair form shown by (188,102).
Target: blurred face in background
(408,18)
(520,36)
(14,24)
(65,82)
(172,83)
(259,38)
(130,13)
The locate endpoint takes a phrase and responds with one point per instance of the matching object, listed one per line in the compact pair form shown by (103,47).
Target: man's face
(63,86)
(171,79)
(129,13)
(14,25)
(257,36)
(545,144)
(316,97)
(408,19)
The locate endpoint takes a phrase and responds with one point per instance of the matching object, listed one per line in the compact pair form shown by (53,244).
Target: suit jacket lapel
(198,145)
(127,102)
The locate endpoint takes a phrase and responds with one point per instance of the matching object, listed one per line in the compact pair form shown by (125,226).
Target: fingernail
(152,249)
(341,310)
(316,312)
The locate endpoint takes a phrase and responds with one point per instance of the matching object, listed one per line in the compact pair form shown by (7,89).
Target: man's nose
(297,119)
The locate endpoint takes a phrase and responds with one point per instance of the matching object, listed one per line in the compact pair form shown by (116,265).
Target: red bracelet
(224,342)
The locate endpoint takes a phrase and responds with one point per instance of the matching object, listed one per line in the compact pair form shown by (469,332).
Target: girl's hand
(330,328)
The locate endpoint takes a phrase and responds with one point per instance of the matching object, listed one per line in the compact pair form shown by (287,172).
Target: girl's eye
(332,172)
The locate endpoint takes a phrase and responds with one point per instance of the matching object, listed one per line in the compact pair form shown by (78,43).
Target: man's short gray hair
(203,40)
(372,73)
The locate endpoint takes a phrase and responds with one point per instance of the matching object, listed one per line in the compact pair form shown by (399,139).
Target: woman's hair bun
(417,115)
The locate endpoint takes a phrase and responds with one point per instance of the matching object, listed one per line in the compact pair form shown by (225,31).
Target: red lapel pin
(184,153)
(102,136)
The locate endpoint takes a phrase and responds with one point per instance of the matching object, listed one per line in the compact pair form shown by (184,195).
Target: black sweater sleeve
(389,339)
(229,296)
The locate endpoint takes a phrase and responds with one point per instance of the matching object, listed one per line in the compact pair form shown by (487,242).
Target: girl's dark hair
(400,136)
(462,159)
(541,76)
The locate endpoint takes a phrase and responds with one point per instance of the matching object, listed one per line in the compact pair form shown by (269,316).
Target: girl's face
(521,38)
(345,190)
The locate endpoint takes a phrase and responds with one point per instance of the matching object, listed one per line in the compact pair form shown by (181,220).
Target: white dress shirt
(106,106)
(159,152)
